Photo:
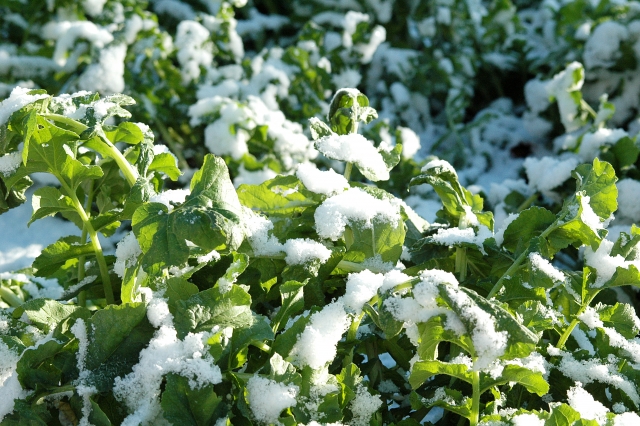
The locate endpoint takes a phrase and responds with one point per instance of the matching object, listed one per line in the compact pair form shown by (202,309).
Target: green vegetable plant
(296,301)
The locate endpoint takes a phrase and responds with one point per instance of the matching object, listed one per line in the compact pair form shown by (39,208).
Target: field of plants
(320,212)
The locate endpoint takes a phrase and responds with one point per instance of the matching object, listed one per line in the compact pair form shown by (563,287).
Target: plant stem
(130,173)
(82,296)
(475,404)
(565,336)
(461,262)
(95,243)
(10,297)
(527,203)
(347,170)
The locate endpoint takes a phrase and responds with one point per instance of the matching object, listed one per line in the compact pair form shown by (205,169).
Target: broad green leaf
(207,309)
(562,415)
(178,288)
(471,309)
(456,199)
(291,295)
(423,370)
(104,337)
(621,317)
(434,331)
(533,381)
(114,350)
(598,181)
(15,195)
(165,163)
(38,366)
(183,405)
(535,316)
(57,254)
(209,218)
(126,132)
(283,371)
(318,128)
(282,196)
(289,337)
(45,314)
(529,224)
(257,331)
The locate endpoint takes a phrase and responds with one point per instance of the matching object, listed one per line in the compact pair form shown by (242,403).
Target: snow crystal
(626,419)
(321,182)
(79,330)
(256,177)
(127,252)
(336,212)
(602,48)
(9,163)
(140,389)
(560,87)
(170,197)
(588,216)
(410,142)
(535,93)
(316,345)
(66,33)
(257,232)
(354,148)
(528,419)
(439,163)
(583,341)
(591,142)
(363,406)
(18,98)
(361,287)
(489,343)
(194,49)
(106,76)
(585,404)
(11,388)
(628,206)
(499,235)
(604,263)
(547,173)
(541,264)
(346,78)
(303,250)
(591,318)
(267,398)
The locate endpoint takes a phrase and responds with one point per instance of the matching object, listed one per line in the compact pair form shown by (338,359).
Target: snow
(361,287)
(316,345)
(107,75)
(302,250)
(267,398)
(628,206)
(363,406)
(547,173)
(584,403)
(354,148)
(18,98)
(527,420)
(602,48)
(319,181)
(11,389)
(353,205)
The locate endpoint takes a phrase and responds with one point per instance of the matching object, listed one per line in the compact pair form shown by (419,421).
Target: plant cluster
(251,283)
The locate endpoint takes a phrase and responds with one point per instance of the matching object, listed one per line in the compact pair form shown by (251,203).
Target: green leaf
(126,132)
(57,254)
(210,308)
(423,370)
(183,405)
(178,288)
(433,332)
(209,218)
(104,337)
(165,163)
(533,381)
(291,295)
(257,331)
(621,317)
(282,196)
(529,224)
(283,371)
(318,128)
(455,198)
(449,399)
(45,314)
(562,415)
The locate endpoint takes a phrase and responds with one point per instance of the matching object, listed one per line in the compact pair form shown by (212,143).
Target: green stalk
(347,170)
(10,297)
(475,404)
(565,336)
(516,264)
(95,243)
(527,203)
(461,262)
(82,296)
(130,173)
